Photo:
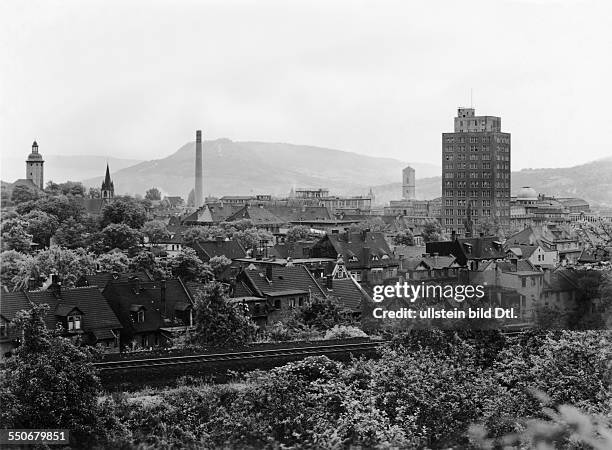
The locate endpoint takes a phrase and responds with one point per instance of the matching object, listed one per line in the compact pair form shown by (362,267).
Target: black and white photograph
(306,224)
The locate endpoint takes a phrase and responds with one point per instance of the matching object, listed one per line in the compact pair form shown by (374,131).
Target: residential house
(470,252)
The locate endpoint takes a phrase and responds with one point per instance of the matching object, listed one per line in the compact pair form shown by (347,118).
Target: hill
(60,168)
(591,181)
(232,168)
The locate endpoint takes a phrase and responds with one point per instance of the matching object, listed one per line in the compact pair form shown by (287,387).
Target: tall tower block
(199,184)
(34,167)
(408,183)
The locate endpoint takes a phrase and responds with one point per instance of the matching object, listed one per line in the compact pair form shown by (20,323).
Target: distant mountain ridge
(591,181)
(232,168)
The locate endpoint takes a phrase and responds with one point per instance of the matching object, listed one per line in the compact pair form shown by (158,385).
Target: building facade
(35,167)
(408,183)
(475,173)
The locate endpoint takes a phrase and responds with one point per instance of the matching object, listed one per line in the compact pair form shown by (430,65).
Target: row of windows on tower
(477,139)
(476,194)
(485,157)
(475,165)
(500,203)
(474,148)
(475,175)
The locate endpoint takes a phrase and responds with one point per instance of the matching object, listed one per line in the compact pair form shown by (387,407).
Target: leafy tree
(153,194)
(22,194)
(13,264)
(253,237)
(72,234)
(145,261)
(62,207)
(155,230)
(15,236)
(41,226)
(403,238)
(189,267)
(113,262)
(121,236)
(125,211)
(237,225)
(489,226)
(322,314)
(51,383)
(298,233)
(203,233)
(95,192)
(219,264)
(432,231)
(68,188)
(218,321)
(371,223)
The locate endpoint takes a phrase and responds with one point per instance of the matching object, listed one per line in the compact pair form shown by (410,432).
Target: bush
(344,332)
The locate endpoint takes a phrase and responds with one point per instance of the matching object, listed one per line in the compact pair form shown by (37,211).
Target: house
(366,255)
(431,268)
(347,291)
(559,246)
(273,291)
(101,279)
(560,289)
(260,216)
(230,248)
(533,253)
(79,312)
(151,312)
(470,252)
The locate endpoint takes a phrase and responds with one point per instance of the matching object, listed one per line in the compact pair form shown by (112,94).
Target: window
(277,303)
(3,328)
(356,275)
(524,282)
(74,322)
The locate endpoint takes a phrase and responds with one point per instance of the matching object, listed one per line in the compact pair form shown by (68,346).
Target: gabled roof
(231,249)
(523,251)
(258,214)
(482,248)
(96,312)
(101,279)
(299,213)
(523,267)
(348,292)
(284,279)
(354,247)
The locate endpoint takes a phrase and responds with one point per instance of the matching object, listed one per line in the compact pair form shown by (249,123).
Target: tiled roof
(101,279)
(259,216)
(209,249)
(355,248)
(299,213)
(482,248)
(346,290)
(288,278)
(524,251)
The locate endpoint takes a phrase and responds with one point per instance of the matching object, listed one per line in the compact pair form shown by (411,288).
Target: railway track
(237,356)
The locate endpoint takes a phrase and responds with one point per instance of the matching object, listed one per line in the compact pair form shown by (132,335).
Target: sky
(135,79)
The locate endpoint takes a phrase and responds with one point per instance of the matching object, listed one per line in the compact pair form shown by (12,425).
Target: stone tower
(34,167)
(108,188)
(408,183)
(199,183)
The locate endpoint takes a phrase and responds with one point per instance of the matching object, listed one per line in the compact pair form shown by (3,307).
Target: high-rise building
(199,182)
(475,173)
(34,167)
(408,183)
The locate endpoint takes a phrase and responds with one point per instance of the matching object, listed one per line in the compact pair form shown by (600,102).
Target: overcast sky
(135,79)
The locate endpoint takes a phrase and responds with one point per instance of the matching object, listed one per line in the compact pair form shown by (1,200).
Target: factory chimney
(199,183)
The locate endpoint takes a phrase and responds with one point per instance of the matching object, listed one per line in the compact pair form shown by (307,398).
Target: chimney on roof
(329,282)
(453,235)
(162,295)
(135,284)
(366,256)
(56,285)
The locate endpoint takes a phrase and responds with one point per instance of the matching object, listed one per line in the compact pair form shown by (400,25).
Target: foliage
(121,236)
(153,194)
(61,206)
(41,226)
(126,211)
(203,233)
(113,262)
(298,233)
(432,231)
(68,188)
(155,230)
(72,234)
(252,237)
(13,264)
(218,321)
(403,238)
(322,314)
(50,383)
(344,332)
(22,193)
(371,223)
(189,267)
(488,226)
(219,264)
(145,261)
(15,236)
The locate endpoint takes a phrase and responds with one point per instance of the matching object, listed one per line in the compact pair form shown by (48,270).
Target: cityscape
(264,294)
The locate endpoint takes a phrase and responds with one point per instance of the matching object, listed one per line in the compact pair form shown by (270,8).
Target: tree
(432,231)
(155,230)
(50,383)
(219,264)
(113,262)
(13,264)
(41,226)
(125,211)
(121,236)
(22,194)
(298,233)
(371,223)
(153,194)
(15,236)
(95,192)
(403,238)
(74,188)
(218,321)
(189,267)
(145,261)
(489,226)
(322,314)
(203,233)
(253,237)
(72,234)
(62,207)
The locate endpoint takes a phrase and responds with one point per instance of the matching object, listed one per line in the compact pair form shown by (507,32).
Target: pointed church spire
(108,188)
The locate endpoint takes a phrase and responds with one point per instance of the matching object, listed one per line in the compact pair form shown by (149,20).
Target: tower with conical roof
(34,167)
(108,188)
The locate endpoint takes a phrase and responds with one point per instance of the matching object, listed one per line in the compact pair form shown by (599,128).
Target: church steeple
(34,167)
(108,188)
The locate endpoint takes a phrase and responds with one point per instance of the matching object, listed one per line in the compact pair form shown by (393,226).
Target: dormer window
(74,322)
(137,313)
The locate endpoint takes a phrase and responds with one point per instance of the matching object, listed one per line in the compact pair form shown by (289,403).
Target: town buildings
(475,173)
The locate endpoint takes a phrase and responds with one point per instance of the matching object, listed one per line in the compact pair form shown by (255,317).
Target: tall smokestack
(199,188)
